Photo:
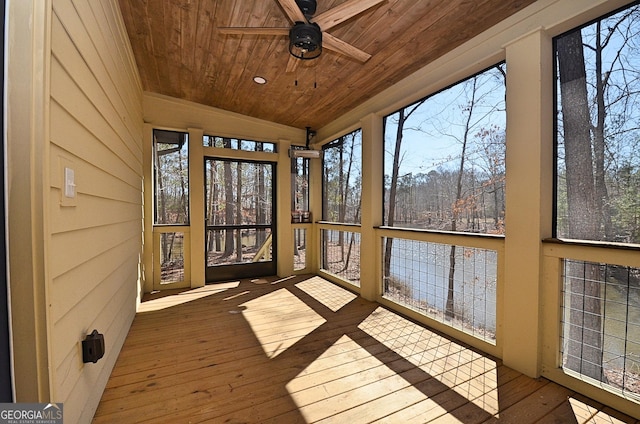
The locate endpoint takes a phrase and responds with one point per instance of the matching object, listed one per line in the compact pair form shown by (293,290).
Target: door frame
(218,273)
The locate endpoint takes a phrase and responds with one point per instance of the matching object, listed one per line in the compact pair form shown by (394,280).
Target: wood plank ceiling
(181,53)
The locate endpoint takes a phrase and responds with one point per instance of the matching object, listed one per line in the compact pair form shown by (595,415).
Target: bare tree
(213,243)
(585,299)
(228,208)
(260,201)
(239,211)
(345,190)
(457,206)
(403,116)
(161,208)
(342,207)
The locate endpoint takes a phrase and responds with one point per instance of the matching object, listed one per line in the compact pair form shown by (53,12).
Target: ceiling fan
(308,36)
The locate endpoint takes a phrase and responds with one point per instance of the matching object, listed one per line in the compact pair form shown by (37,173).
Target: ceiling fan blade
(342,12)
(292,10)
(253,31)
(335,44)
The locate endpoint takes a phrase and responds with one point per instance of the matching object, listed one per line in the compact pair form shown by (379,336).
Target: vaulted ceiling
(181,52)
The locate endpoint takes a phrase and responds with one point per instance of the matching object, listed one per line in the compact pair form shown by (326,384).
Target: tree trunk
(345,197)
(351,240)
(213,237)
(305,188)
(341,192)
(218,201)
(239,212)
(161,214)
(261,215)
(457,206)
(228,199)
(183,195)
(601,193)
(585,333)
(403,115)
(393,190)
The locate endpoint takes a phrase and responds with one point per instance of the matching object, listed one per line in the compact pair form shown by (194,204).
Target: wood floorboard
(302,350)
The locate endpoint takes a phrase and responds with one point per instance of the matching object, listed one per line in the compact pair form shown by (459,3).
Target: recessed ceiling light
(259,80)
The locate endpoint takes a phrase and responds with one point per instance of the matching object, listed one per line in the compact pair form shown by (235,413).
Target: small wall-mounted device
(304,153)
(93,347)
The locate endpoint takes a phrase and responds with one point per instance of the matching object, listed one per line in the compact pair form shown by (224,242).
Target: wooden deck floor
(302,350)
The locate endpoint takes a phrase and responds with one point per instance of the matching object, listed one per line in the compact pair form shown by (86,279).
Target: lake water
(622,334)
(423,269)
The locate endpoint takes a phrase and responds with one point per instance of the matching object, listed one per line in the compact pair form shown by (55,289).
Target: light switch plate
(66,182)
(69,183)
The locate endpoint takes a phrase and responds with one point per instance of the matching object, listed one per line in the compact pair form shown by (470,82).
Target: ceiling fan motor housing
(305,40)
(307,7)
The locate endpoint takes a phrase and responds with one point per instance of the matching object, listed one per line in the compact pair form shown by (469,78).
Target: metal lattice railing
(601,324)
(341,254)
(455,285)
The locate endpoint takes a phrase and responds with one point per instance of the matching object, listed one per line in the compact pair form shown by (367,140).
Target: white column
(196,207)
(371,211)
(529,165)
(283,195)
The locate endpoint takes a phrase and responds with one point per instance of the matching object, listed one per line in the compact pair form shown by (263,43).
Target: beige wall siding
(95,243)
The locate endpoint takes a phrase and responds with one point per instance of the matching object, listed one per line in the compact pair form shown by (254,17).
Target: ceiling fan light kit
(306,37)
(305,40)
